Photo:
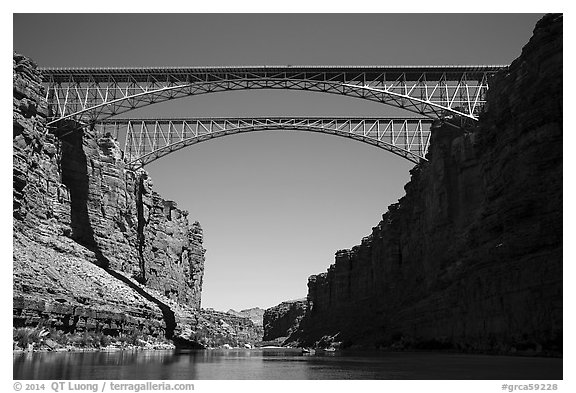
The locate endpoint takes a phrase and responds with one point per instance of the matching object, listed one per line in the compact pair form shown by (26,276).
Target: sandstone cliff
(95,248)
(471,257)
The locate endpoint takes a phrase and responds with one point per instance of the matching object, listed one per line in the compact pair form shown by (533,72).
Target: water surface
(279,364)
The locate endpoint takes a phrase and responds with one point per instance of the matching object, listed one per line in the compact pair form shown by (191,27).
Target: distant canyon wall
(217,328)
(284,319)
(471,257)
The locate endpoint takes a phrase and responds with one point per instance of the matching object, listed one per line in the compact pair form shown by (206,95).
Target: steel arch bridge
(146,140)
(91,95)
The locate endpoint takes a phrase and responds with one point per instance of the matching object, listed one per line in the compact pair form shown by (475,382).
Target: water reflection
(277,365)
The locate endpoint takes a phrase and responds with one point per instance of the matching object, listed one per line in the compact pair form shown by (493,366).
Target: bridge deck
(127,120)
(413,72)
(92,94)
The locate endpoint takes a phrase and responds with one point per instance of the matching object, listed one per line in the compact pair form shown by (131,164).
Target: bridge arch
(93,95)
(146,140)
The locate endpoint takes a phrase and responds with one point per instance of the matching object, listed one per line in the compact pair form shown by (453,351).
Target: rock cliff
(471,257)
(94,246)
(216,329)
(255,314)
(284,319)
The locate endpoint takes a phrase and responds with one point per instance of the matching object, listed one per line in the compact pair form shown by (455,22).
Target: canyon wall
(282,320)
(94,246)
(216,328)
(255,314)
(471,257)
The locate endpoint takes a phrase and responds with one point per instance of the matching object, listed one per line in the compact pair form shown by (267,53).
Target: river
(253,364)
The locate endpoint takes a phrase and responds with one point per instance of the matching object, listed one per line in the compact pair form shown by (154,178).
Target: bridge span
(90,95)
(146,140)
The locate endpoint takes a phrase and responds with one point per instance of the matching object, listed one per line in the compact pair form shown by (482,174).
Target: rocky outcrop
(75,206)
(67,292)
(284,319)
(169,249)
(471,257)
(255,314)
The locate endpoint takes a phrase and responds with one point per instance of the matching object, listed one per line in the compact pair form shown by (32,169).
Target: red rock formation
(471,257)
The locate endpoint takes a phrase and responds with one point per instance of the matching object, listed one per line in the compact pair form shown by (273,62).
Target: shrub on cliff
(26,335)
(132,339)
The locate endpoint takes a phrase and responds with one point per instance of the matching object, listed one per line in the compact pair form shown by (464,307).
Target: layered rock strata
(471,256)
(76,206)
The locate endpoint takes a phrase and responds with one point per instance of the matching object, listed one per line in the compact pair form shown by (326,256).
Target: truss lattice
(146,140)
(94,94)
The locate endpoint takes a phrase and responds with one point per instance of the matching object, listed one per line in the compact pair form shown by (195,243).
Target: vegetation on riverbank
(44,339)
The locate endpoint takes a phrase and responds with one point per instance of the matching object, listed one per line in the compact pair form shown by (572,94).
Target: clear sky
(275,207)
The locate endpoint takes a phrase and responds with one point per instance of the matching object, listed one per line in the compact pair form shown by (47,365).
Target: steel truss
(146,140)
(93,94)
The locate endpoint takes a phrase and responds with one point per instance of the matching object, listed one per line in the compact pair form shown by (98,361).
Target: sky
(274,206)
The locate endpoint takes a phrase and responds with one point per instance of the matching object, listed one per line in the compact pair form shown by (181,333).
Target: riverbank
(40,339)
(26,339)
(142,345)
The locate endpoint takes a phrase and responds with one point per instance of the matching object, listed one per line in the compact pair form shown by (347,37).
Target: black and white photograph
(287,196)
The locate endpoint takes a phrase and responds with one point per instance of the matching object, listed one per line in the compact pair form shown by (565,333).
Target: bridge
(95,96)
(146,140)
